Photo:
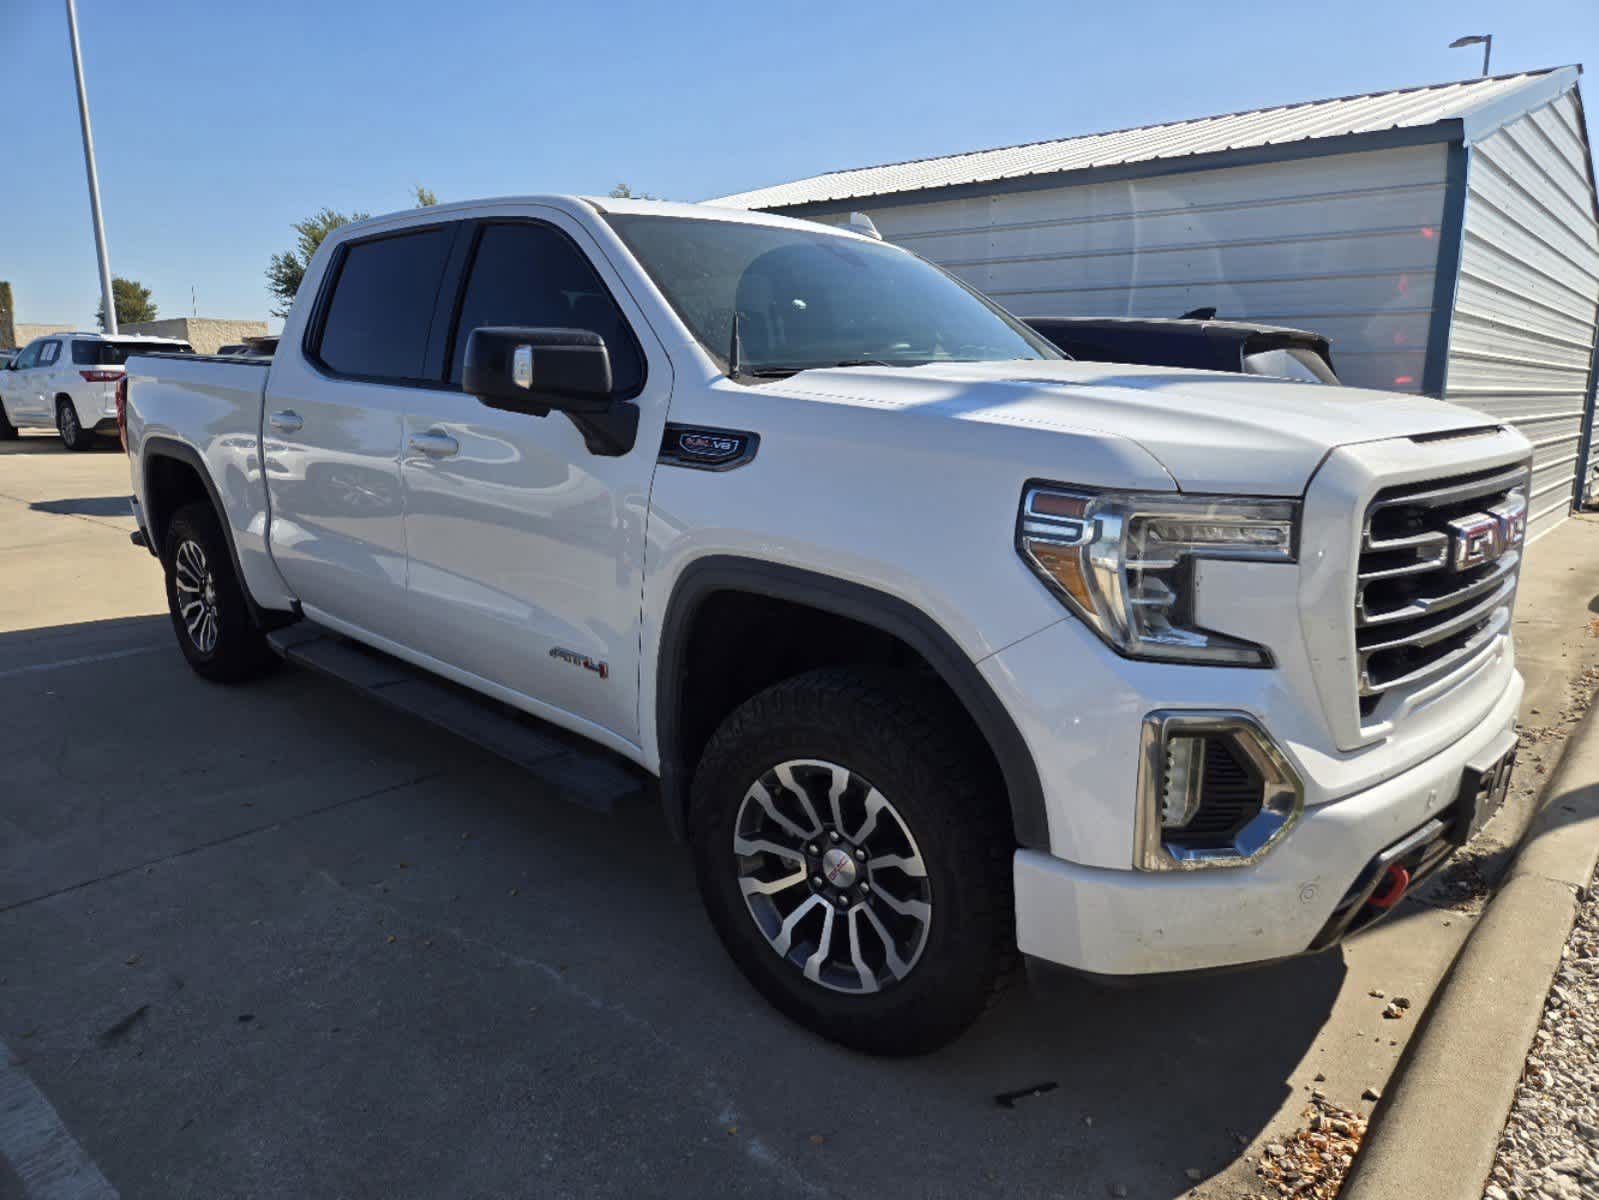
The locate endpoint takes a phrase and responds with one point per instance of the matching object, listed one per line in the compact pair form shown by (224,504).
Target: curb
(1436,1132)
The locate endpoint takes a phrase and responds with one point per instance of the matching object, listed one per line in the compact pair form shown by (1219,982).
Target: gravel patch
(1550,1146)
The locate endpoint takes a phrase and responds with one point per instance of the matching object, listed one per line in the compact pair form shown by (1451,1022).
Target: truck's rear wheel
(8,431)
(73,435)
(209,613)
(853,862)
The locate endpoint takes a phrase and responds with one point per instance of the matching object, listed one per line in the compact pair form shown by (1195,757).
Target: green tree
(132,299)
(286,271)
(623,192)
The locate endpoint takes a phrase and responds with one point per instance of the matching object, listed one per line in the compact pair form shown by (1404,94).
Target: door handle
(434,444)
(287,421)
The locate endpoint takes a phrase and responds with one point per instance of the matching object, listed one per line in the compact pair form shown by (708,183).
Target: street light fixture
(106,297)
(1487,41)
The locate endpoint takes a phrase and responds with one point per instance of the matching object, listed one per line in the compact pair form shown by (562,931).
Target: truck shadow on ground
(446,915)
(86,506)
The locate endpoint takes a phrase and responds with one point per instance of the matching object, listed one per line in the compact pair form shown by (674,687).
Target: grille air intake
(1423,604)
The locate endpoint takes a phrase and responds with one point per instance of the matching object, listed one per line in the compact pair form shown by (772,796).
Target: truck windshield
(809,300)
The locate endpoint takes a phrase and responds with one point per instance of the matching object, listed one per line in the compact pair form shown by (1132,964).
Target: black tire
(8,431)
(73,435)
(881,728)
(215,629)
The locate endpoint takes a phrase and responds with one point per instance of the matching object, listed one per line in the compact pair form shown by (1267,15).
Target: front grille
(1418,611)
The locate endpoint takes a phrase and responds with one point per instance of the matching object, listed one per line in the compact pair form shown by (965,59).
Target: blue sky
(218,125)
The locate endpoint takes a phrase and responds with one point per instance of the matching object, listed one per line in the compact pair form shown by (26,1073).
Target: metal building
(1445,238)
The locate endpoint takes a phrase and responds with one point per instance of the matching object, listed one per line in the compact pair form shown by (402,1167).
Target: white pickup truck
(941,645)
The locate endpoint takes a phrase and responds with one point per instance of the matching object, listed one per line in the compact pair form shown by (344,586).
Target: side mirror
(535,371)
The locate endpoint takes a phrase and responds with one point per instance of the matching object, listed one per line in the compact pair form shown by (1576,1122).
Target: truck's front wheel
(854,860)
(209,613)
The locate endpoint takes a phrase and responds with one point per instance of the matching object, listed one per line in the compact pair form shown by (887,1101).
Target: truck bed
(205,410)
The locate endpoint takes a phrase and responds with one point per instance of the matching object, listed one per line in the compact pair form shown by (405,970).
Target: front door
(332,432)
(17,386)
(526,548)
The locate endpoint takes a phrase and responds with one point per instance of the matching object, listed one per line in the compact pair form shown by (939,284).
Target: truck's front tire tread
(882,724)
(240,649)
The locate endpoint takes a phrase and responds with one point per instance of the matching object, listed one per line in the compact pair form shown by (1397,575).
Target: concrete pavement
(1437,1133)
(279,940)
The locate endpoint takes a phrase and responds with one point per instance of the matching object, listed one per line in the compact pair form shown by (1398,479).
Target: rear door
(333,426)
(526,548)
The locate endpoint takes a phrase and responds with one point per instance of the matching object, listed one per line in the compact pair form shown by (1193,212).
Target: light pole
(1487,40)
(106,298)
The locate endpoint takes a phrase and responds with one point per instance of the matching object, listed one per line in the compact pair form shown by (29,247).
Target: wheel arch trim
(155,447)
(704,577)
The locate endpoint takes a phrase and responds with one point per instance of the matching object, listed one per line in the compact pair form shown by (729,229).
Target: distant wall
(205,334)
(26,331)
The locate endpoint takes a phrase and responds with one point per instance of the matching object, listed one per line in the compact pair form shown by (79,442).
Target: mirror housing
(537,370)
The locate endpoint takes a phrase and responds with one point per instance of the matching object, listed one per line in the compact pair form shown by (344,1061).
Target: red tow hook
(1392,889)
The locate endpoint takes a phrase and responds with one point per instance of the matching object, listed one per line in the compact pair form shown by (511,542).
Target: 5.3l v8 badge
(707,449)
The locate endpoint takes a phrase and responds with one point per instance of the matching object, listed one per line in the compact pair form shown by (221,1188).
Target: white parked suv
(68,382)
(940,644)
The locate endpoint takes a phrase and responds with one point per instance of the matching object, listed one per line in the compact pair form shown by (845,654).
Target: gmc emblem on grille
(1483,537)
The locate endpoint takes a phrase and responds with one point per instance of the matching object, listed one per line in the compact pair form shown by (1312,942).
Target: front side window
(379,314)
(814,299)
(48,353)
(532,275)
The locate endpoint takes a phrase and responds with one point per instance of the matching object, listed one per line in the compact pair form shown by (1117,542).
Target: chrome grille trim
(1419,612)
(1422,605)
(1493,485)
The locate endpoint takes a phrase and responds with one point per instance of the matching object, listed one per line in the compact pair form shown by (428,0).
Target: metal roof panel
(1480,104)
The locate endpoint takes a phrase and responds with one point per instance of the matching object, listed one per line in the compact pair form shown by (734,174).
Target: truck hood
(1213,432)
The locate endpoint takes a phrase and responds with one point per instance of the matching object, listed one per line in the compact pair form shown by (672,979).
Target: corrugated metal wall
(1342,244)
(1528,291)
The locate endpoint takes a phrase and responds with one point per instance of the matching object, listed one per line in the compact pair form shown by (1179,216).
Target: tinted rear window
(114,354)
(382,304)
(533,275)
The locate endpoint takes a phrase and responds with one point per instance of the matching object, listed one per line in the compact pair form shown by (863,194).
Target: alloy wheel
(832,876)
(197,596)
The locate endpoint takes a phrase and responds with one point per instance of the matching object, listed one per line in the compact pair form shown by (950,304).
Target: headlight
(1124,562)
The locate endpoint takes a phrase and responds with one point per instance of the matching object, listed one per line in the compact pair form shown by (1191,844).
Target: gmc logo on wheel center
(1483,537)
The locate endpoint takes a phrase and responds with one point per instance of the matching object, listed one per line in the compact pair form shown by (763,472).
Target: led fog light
(1213,791)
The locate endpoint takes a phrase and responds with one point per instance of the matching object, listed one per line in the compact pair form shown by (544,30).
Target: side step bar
(582,772)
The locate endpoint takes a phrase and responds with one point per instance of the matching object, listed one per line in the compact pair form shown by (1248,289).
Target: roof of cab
(465,209)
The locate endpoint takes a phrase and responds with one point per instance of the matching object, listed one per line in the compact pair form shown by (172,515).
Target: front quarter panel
(920,506)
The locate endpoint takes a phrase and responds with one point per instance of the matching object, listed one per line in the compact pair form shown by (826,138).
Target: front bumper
(1124,922)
